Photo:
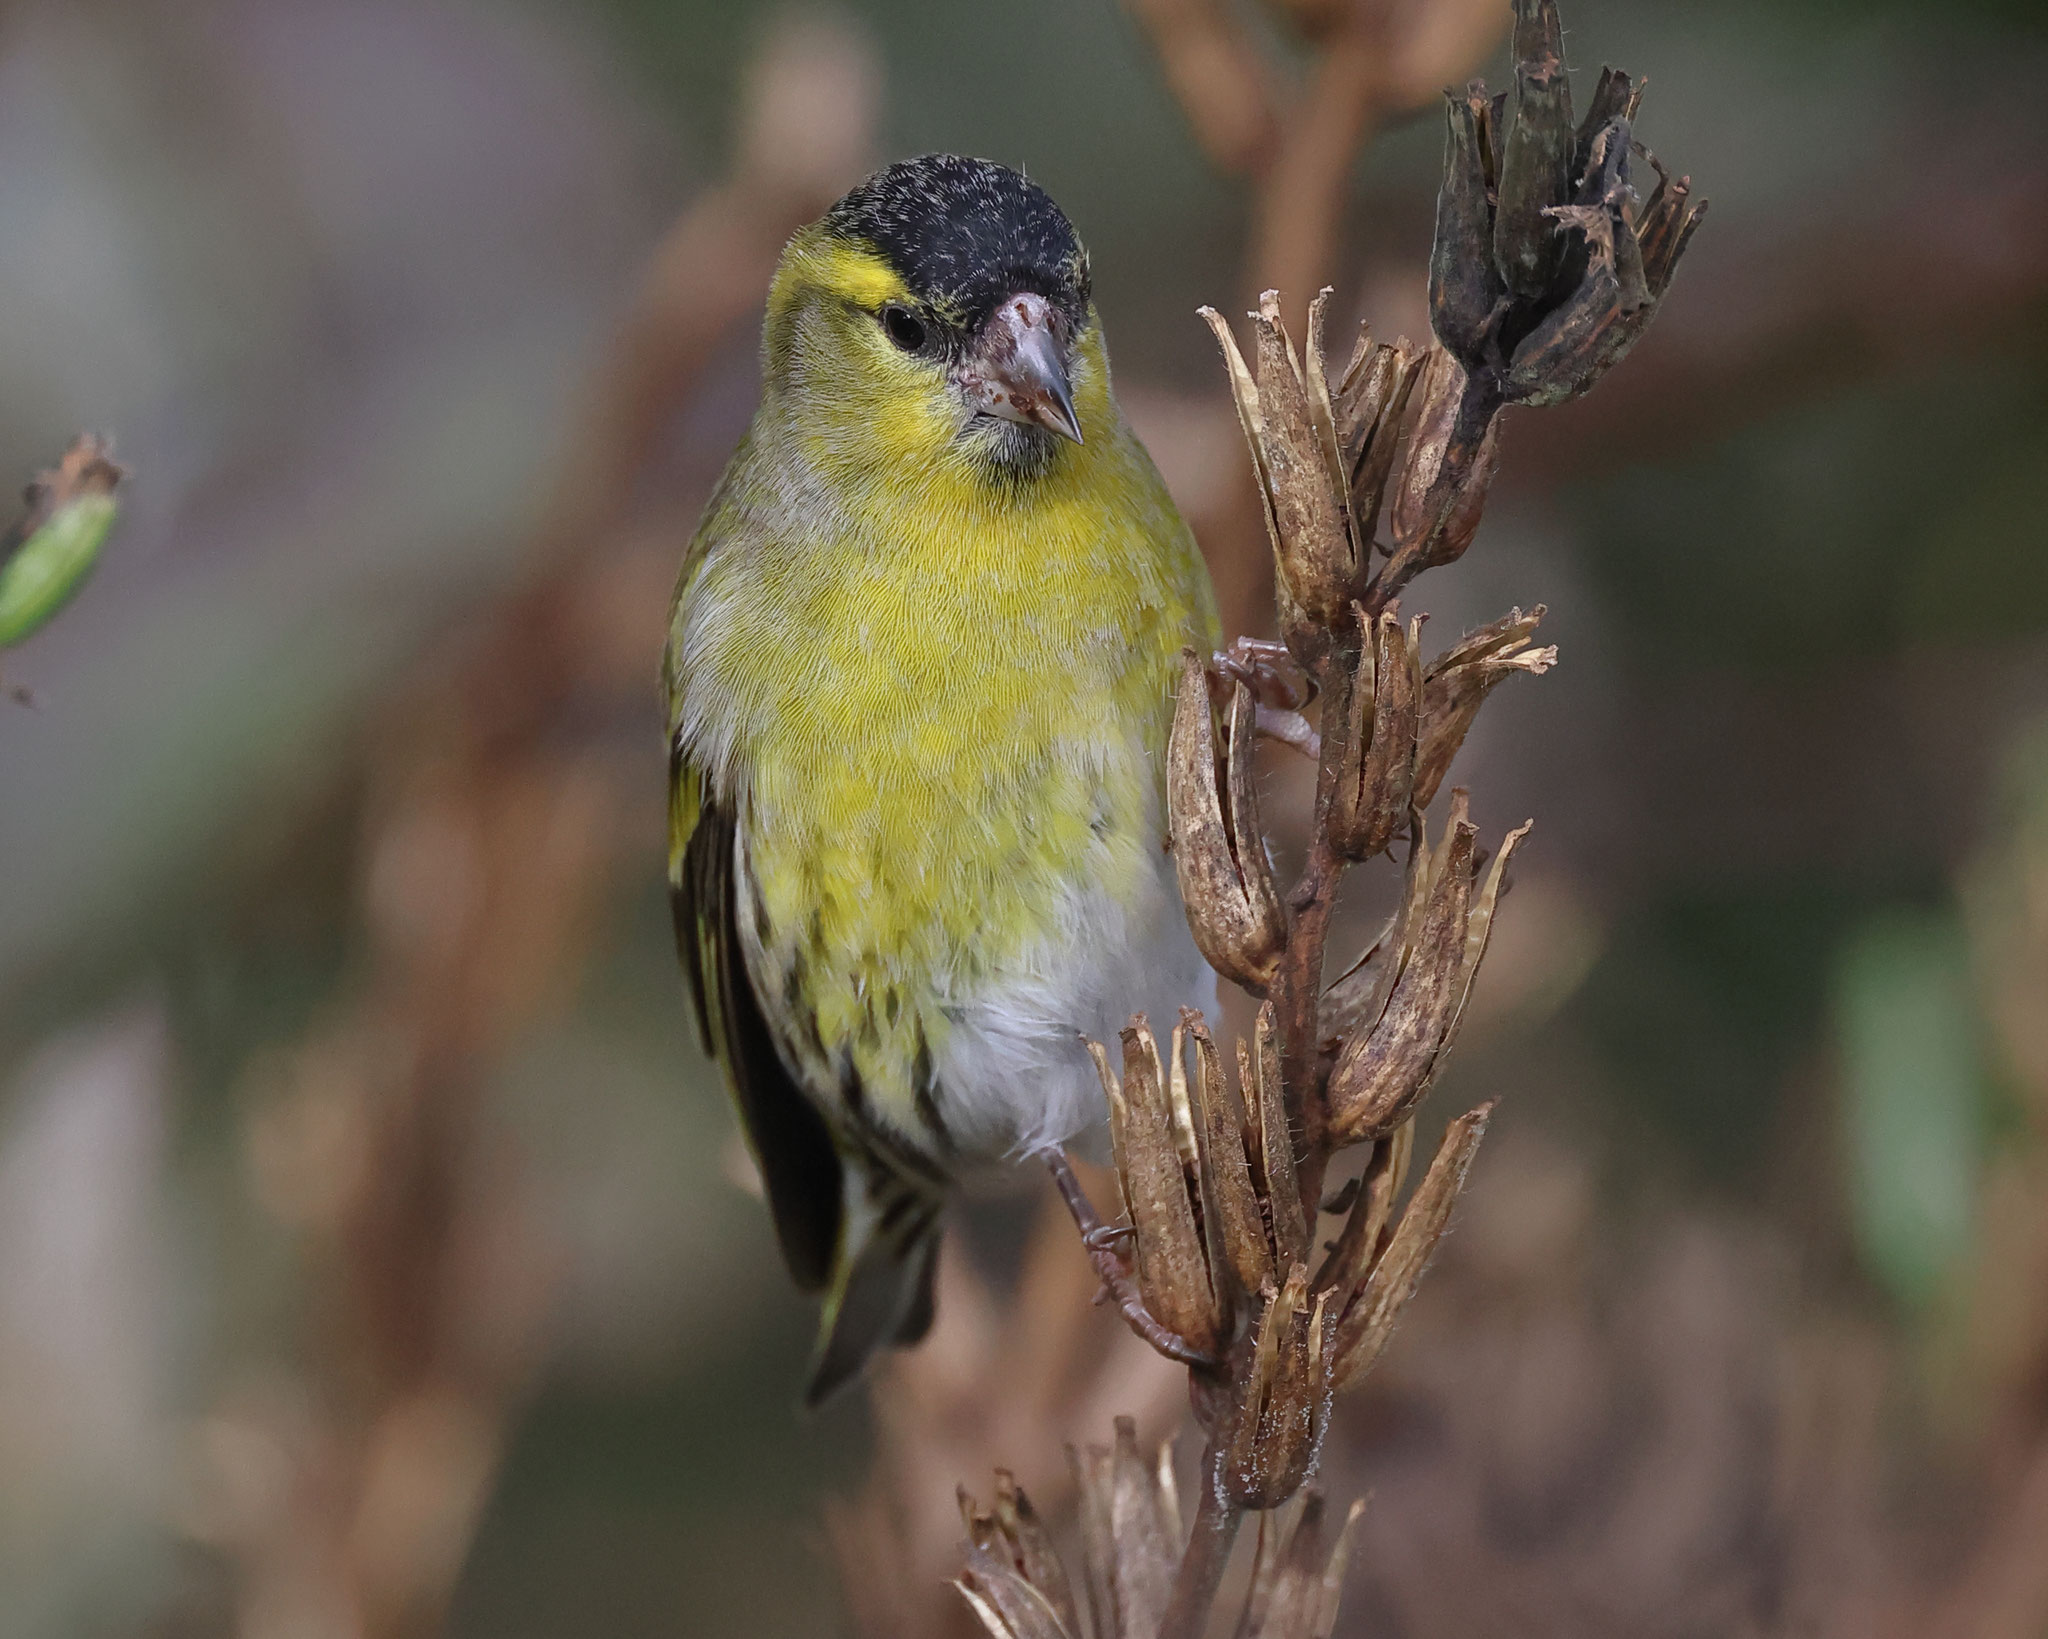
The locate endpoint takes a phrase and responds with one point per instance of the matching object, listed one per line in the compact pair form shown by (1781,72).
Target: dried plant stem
(1303,195)
(1202,1564)
(1298,989)
(1224,1193)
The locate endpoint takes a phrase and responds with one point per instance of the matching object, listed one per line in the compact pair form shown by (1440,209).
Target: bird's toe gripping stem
(1103,1243)
(1279,688)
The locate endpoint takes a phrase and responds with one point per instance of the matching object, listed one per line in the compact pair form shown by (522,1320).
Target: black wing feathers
(799,1166)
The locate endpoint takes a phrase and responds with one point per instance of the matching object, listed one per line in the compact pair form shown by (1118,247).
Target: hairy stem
(1297,989)
(1208,1551)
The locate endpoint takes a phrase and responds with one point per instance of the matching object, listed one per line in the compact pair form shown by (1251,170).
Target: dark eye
(904,327)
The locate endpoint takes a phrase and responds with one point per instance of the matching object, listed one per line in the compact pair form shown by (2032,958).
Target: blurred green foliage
(1709,1000)
(1837,530)
(1907,1022)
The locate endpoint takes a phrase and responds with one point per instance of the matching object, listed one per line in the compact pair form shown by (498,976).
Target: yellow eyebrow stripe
(848,271)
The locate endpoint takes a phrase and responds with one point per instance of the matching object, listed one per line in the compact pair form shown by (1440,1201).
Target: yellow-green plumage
(921,666)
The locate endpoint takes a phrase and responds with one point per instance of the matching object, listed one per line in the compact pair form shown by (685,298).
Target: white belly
(1014,1067)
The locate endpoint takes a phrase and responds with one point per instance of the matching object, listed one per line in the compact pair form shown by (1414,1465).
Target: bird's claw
(1107,1237)
(1264,666)
(1100,1241)
(1279,688)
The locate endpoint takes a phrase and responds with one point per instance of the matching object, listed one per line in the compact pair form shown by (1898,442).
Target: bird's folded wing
(799,1166)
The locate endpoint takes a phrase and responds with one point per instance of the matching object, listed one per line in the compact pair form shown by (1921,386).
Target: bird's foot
(1103,1242)
(1264,665)
(1290,728)
(1279,688)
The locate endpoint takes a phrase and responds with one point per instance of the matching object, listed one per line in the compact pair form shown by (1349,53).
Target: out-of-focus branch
(489,839)
(1377,61)
(1220,77)
(1014,1386)
(1372,61)
(1301,196)
(806,133)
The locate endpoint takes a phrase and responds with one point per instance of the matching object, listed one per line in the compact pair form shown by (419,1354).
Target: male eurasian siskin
(919,675)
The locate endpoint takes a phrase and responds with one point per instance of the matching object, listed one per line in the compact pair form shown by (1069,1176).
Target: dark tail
(882,1273)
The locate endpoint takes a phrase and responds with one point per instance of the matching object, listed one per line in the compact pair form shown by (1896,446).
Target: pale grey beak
(1018,368)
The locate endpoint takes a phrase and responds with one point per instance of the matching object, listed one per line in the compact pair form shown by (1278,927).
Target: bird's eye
(904,327)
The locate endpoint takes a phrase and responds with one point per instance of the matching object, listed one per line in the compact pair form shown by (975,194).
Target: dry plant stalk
(492,832)
(1546,269)
(1058,1376)
(1296,133)
(1366,62)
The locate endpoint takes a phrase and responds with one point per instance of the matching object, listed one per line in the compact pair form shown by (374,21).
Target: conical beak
(1018,370)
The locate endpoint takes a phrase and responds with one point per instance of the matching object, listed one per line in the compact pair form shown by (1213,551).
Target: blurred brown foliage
(1613,1409)
(490,835)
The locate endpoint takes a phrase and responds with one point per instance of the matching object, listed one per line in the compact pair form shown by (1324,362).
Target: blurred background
(376,1257)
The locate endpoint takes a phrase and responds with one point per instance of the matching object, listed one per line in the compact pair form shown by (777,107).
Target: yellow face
(874,376)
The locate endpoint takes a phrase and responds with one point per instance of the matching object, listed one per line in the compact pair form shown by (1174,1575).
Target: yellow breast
(939,703)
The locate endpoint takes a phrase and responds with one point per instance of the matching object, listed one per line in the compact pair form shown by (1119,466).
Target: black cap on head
(965,233)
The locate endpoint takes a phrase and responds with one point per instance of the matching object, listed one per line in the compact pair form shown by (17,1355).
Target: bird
(919,674)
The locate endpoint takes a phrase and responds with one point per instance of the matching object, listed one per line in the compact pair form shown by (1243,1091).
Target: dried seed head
(1352,1256)
(1289,421)
(1014,1580)
(1464,284)
(1381,1073)
(1283,1404)
(1371,410)
(1219,851)
(1431,419)
(1148,1139)
(1396,1046)
(1535,156)
(1546,269)
(1131,1539)
(1375,783)
(1357,997)
(1130,1532)
(1458,682)
(1240,1254)
(1368,1321)
(1298,1574)
(1208,1180)
(1447,516)
(1447,469)
(1007,1605)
